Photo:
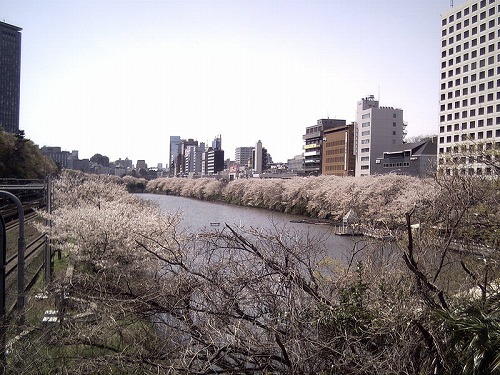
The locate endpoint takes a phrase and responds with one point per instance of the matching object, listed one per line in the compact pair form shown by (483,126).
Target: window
(366,132)
(489,109)
(480,112)
(456,127)
(365,158)
(472,124)
(365,166)
(464,125)
(472,112)
(472,101)
(366,149)
(365,141)
(481,99)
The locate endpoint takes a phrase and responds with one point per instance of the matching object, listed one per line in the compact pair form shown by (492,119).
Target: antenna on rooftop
(451,3)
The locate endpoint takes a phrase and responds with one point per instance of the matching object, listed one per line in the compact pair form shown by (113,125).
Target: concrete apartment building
(10,77)
(469,119)
(377,129)
(337,153)
(313,144)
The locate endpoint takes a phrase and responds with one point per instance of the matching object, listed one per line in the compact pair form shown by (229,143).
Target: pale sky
(120,77)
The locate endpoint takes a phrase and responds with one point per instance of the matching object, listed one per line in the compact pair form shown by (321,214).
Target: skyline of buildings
(469,120)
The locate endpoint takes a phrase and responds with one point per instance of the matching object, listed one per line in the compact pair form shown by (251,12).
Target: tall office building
(10,76)
(175,142)
(377,130)
(469,120)
(243,155)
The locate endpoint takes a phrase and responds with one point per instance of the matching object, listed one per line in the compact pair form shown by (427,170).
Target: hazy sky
(120,77)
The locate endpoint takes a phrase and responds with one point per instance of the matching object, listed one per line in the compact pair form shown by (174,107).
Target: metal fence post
(21,247)
(48,263)
(3,320)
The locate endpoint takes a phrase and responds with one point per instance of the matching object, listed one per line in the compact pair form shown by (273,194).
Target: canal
(201,216)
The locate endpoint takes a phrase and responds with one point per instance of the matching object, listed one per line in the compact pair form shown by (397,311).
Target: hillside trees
(20,158)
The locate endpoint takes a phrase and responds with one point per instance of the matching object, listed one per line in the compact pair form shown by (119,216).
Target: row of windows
(469,171)
(392,165)
(473,78)
(472,147)
(471,112)
(466,11)
(469,136)
(468,33)
(465,67)
(466,90)
(337,159)
(466,102)
(334,168)
(335,151)
(334,143)
(466,45)
(468,125)
(467,22)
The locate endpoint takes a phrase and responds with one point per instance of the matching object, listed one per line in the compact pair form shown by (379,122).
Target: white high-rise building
(377,130)
(257,164)
(469,117)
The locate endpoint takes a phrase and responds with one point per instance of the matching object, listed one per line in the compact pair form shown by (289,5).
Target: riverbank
(375,199)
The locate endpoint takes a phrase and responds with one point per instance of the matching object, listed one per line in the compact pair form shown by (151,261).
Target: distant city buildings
(377,129)
(10,76)
(469,120)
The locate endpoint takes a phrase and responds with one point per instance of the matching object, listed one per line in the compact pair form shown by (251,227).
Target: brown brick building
(337,155)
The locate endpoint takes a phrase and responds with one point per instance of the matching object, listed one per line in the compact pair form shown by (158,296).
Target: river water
(201,216)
